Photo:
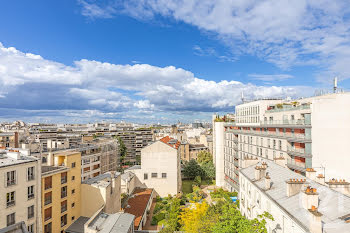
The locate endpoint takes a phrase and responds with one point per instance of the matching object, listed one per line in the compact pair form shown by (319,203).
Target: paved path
(148,225)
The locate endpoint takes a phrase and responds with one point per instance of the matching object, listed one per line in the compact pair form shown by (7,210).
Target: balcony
(300,152)
(299,122)
(300,166)
(236,163)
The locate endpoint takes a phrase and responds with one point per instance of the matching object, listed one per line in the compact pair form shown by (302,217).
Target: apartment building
(101,191)
(60,192)
(9,139)
(20,197)
(160,167)
(298,134)
(297,203)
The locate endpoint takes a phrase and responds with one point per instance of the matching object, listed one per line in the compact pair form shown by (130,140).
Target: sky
(150,61)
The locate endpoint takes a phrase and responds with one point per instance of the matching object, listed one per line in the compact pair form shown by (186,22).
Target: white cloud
(271,77)
(32,82)
(283,32)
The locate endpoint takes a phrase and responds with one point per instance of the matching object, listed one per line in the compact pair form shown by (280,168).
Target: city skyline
(164,61)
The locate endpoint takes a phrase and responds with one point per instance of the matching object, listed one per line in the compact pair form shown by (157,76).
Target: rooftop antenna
(335,86)
(242,97)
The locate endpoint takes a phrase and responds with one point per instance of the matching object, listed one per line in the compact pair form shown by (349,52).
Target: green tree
(122,149)
(208,170)
(192,169)
(204,157)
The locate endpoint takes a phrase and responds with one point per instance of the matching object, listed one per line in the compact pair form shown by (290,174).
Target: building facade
(20,197)
(9,139)
(298,134)
(60,192)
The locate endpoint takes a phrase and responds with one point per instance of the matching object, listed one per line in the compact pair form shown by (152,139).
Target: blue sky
(164,60)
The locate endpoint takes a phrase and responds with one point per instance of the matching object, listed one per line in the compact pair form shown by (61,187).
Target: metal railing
(289,108)
(295,163)
(11,182)
(285,122)
(30,196)
(298,150)
(63,208)
(64,180)
(48,201)
(10,203)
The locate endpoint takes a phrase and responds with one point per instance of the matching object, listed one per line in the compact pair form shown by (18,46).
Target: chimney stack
(50,159)
(311,174)
(341,186)
(309,198)
(315,220)
(294,186)
(260,172)
(320,179)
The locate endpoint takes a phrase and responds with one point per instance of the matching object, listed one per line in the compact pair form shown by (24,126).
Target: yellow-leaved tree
(191,217)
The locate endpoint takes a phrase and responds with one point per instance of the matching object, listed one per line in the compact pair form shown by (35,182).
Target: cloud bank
(32,86)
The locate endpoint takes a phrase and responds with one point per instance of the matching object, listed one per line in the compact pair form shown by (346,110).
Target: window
(63,220)
(48,214)
(63,206)
(48,228)
(64,192)
(30,228)
(11,178)
(63,177)
(30,192)
(73,218)
(11,219)
(163,175)
(145,176)
(73,204)
(154,175)
(73,191)
(48,182)
(31,212)
(48,198)
(10,199)
(30,173)
(73,177)
(73,165)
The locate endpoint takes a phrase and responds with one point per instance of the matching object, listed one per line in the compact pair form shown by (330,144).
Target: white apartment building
(20,195)
(299,134)
(160,167)
(297,204)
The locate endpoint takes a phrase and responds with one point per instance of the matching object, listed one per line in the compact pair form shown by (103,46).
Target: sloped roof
(171,142)
(332,205)
(137,204)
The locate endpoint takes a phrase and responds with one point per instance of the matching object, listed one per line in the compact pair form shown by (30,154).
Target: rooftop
(171,142)
(333,205)
(19,227)
(137,204)
(112,223)
(78,225)
(46,170)
(100,179)
(14,158)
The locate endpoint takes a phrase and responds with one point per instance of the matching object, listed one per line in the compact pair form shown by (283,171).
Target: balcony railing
(31,177)
(63,194)
(295,163)
(48,201)
(30,196)
(11,182)
(48,218)
(63,208)
(64,180)
(289,108)
(10,203)
(298,150)
(285,122)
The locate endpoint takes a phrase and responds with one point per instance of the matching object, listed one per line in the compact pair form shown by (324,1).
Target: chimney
(280,161)
(267,182)
(309,198)
(294,186)
(315,220)
(320,179)
(311,174)
(341,186)
(260,172)
(50,159)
